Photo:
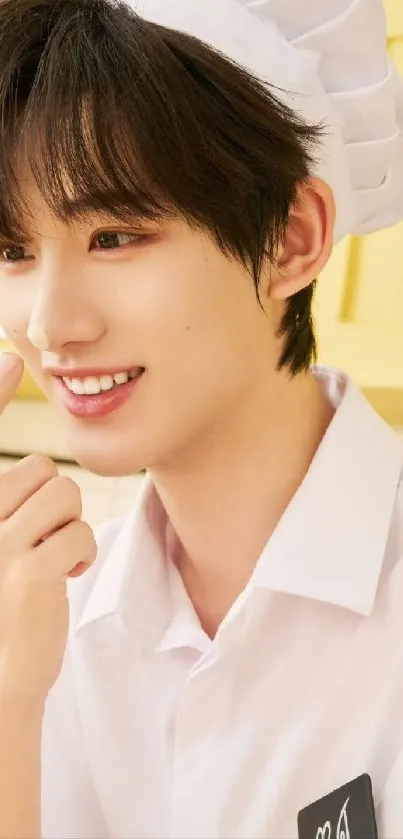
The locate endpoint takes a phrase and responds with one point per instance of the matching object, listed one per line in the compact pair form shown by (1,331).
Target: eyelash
(135,237)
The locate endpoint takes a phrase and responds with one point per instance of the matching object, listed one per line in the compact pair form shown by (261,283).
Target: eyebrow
(78,212)
(84,210)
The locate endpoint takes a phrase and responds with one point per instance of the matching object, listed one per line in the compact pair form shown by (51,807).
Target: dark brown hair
(138,120)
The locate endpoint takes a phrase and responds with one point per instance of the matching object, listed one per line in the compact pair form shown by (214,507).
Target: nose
(63,315)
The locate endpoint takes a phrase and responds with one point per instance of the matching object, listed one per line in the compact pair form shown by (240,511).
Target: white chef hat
(331,56)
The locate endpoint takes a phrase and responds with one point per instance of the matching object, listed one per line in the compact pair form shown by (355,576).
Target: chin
(107,467)
(100,460)
(114,455)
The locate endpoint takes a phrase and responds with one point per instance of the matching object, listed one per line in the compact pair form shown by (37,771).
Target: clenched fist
(43,541)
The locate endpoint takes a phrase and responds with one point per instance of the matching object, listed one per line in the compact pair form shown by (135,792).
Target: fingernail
(7,361)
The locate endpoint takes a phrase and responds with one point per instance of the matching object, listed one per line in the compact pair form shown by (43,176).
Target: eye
(12,254)
(112,240)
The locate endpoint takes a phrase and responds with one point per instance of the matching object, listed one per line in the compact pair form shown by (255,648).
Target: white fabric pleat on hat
(331,58)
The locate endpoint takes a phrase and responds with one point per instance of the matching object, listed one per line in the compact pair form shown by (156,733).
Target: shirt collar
(330,543)
(133,581)
(328,546)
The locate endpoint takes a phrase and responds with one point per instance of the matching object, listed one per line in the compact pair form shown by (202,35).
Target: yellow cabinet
(359,300)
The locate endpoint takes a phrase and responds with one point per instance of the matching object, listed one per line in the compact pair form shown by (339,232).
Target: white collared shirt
(154,731)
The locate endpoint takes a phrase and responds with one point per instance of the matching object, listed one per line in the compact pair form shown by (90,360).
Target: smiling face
(112,298)
(107,119)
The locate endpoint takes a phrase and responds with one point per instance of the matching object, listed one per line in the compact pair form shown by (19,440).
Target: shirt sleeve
(70,808)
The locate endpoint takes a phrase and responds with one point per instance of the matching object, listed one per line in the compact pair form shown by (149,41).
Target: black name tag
(346,813)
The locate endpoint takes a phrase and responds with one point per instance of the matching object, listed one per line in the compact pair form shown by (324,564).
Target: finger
(68,552)
(79,570)
(56,503)
(24,480)
(11,370)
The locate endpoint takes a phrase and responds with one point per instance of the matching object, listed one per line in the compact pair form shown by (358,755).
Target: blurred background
(359,317)
(359,301)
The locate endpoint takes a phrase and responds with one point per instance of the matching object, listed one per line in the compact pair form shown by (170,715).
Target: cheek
(14,306)
(14,327)
(191,343)
(14,319)
(32,357)
(195,312)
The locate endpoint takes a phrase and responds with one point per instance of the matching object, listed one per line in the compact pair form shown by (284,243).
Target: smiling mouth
(95,385)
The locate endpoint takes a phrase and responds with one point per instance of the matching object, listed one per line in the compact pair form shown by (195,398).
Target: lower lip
(97,405)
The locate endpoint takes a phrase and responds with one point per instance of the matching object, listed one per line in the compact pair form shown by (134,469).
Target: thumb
(11,370)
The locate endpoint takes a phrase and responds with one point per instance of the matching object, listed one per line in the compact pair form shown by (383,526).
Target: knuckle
(68,491)
(41,465)
(87,539)
(6,538)
(11,540)
(17,572)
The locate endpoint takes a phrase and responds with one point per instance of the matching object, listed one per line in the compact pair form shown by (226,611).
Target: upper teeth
(92,385)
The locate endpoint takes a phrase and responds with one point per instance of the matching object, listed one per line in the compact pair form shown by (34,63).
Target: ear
(308,240)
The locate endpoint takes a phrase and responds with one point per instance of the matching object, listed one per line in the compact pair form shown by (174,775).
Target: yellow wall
(359,302)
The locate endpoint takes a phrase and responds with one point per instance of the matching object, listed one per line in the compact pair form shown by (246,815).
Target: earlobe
(308,240)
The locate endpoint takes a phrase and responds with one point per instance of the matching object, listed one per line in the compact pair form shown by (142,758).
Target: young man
(235,651)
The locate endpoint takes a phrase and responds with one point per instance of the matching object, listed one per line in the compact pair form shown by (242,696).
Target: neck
(225,500)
